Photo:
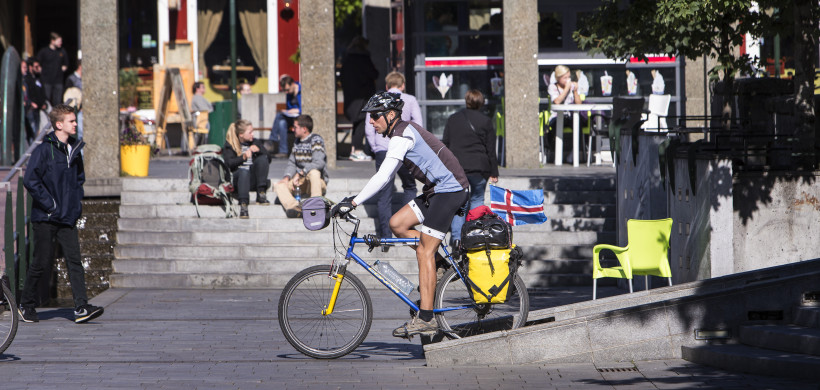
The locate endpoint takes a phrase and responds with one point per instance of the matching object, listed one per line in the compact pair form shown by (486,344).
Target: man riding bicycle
(445,192)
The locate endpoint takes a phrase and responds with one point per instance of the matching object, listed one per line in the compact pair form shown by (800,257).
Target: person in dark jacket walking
(249,163)
(469,134)
(35,94)
(54,178)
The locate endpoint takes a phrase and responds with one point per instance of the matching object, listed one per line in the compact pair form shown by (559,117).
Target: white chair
(658,108)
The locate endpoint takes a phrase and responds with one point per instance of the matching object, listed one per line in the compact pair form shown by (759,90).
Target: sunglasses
(377,115)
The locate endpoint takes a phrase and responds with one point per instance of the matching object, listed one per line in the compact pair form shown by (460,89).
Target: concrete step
(808,316)
(310,237)
(187,210)
(230,280)
(295,224)
(403,261)
(324,249)
(563,183)
(550,197)
(753,360)
(787,338)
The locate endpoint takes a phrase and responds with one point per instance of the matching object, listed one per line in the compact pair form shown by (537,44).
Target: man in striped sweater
(306,173)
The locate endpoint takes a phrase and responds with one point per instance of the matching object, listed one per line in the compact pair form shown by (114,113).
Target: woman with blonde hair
(249,163)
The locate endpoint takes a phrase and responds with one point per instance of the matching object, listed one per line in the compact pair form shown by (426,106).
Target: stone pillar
(521,83)
(697,103)
(317,70)
(98,28)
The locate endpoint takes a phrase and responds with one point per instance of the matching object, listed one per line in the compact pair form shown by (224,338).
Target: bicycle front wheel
(478,318)
(8,317)
(324,336)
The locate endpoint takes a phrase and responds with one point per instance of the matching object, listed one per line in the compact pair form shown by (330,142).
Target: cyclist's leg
(425,254)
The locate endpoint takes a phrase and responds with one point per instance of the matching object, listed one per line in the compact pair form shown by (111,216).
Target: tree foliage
(693,28)
(343,9)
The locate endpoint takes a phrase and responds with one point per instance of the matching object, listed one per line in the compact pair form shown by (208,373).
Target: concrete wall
(728,222)
(776,219)
(641,195)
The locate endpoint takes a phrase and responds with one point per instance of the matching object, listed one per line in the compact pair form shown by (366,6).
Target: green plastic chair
(646,253)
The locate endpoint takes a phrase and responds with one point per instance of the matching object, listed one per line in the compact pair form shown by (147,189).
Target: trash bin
(219,119)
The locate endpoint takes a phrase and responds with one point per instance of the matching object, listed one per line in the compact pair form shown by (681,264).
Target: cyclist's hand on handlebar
(343,207)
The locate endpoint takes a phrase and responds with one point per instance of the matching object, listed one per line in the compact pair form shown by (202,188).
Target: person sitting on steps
(307,164)
(249,163)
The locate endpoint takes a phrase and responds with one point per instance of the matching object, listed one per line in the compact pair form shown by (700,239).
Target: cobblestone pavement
(230,339)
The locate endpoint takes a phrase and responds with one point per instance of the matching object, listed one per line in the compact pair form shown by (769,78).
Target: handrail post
(8,248)
(22,259)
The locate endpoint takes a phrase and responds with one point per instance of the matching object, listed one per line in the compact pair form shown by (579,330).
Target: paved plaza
(230,339)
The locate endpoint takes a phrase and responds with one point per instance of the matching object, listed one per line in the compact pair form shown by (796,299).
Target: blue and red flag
(518,207)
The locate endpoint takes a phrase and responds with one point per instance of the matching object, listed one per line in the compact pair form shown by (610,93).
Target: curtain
(209,17)
(254,22)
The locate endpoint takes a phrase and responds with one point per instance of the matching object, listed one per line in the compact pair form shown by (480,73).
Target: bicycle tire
(480,318)
(8,318)
(316,335)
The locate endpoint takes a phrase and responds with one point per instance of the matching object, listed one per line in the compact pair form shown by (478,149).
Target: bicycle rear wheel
(8,317)
(320,336)
(478,318)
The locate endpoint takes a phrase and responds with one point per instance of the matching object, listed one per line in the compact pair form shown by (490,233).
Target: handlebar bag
(487,232)
(316,213)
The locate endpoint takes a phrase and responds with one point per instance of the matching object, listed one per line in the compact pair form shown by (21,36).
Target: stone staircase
(162,244)
(791,350)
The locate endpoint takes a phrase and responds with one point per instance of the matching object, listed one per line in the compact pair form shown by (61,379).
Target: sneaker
(243,211)
(261,198)
(417,326)
(293,213)
(360,156)
(28,314)
(87,313)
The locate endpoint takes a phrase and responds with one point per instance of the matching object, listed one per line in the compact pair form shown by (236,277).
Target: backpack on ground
(491,272)
(209,179)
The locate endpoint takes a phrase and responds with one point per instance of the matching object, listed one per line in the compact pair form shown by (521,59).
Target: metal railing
(18,249)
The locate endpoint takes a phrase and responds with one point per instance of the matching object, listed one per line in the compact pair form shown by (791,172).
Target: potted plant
(135,151)
(128,80)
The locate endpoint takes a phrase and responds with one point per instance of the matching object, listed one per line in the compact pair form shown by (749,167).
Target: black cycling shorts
(437,211)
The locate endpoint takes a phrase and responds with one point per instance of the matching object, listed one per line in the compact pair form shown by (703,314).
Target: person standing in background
(36,94)
(54,61)
(469,134)
(411,112)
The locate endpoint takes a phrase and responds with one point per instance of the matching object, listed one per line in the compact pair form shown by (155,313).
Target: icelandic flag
(518,207)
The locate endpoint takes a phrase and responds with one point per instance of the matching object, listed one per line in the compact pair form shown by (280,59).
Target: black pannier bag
(486,233)
(316,213)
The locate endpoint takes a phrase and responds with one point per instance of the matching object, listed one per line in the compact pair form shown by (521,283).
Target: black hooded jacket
(55,181)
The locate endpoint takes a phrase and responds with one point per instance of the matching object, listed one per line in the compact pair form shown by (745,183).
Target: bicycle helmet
(384,101)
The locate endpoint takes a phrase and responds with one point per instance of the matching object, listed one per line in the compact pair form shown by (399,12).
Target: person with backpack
(249,163)
(307,168)
(54,178)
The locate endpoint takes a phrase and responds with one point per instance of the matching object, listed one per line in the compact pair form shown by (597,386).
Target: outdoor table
(559,109)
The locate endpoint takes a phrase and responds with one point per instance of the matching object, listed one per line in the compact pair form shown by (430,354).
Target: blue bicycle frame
(354,239)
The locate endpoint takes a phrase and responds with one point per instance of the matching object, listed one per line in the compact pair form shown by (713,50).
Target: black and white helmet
(384,101)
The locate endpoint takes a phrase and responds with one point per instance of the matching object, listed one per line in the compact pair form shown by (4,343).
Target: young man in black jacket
(54,178)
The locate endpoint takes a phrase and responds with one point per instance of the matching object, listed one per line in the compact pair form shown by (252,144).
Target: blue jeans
(279,132)
(477,186)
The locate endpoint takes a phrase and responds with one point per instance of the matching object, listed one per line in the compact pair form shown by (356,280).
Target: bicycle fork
(330,305)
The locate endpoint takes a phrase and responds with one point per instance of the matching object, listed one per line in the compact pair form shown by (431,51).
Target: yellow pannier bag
(490,274)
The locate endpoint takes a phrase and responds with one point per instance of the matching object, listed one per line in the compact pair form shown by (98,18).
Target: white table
(576,109)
